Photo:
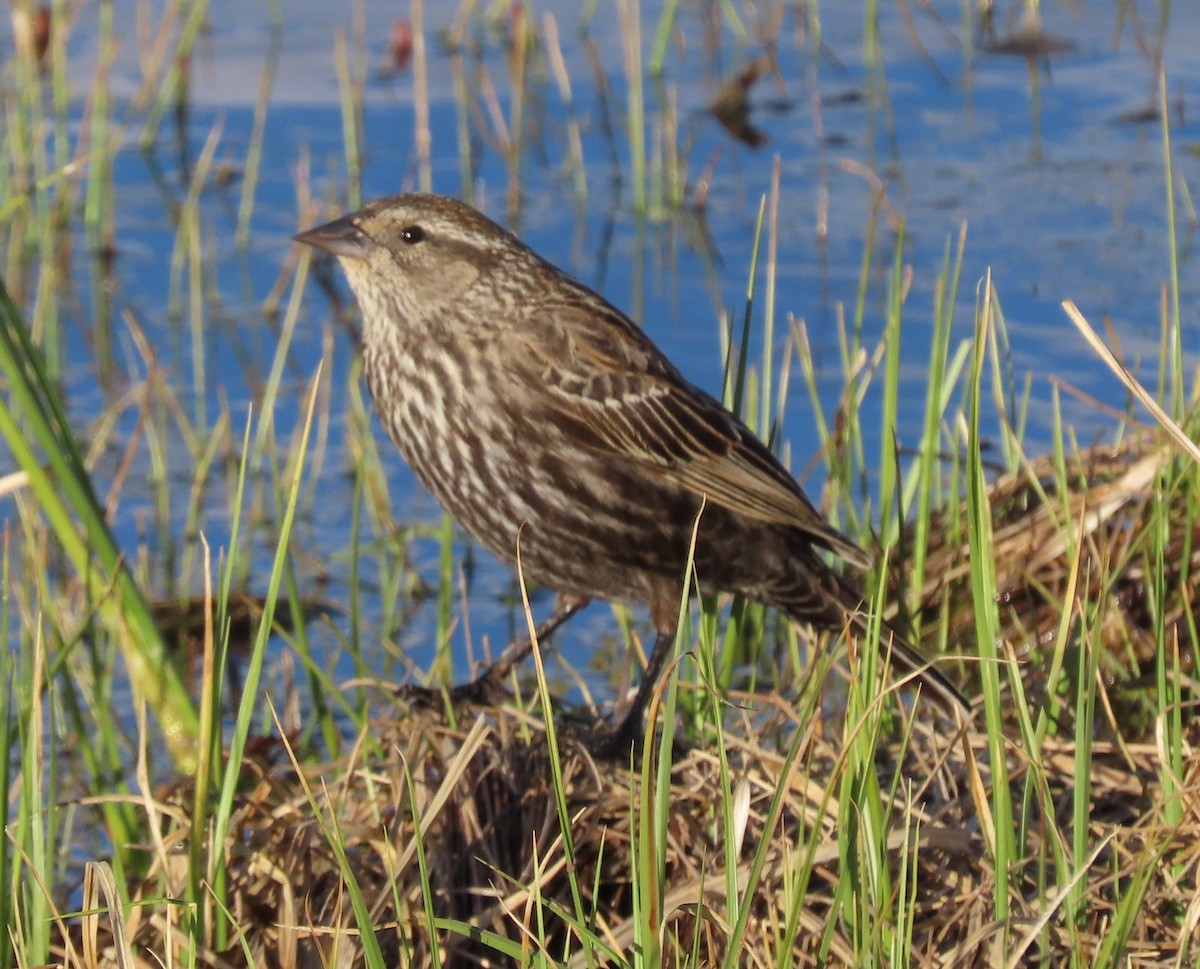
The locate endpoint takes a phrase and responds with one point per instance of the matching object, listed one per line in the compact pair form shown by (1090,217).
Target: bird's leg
(623,736)
(488,687)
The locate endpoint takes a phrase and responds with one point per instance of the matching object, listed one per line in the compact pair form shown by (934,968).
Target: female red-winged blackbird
(537,413)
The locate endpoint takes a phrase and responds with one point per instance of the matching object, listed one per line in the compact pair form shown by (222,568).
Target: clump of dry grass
(1107,499)
(484,803)
(452,834)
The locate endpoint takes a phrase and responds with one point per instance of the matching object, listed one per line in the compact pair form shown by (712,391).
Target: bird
(542,418)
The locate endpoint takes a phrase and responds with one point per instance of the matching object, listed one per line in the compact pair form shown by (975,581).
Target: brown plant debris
(475,805)
(490,837)
(731,106)
(1099,506)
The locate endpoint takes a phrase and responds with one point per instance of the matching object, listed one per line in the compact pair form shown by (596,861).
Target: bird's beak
(341,238)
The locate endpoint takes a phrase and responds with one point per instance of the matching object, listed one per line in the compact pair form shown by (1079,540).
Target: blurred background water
(1055,164)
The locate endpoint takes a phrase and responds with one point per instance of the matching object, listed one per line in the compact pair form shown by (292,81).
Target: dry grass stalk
(484,829)
(484,808)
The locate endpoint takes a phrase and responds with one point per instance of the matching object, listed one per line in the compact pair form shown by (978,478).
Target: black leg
(488,687)
(626,733)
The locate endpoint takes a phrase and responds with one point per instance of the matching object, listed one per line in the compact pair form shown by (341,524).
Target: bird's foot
(618,744)
(613,745)
(483,691)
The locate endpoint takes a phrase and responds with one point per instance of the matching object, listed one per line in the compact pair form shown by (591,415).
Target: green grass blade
(33,415)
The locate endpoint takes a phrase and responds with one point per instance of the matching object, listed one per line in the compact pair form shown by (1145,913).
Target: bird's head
(409,257)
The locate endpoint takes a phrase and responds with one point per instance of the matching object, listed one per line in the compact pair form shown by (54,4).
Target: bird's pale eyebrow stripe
(461,248)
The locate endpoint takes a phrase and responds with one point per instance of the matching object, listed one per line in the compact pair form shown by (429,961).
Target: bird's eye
(412,234)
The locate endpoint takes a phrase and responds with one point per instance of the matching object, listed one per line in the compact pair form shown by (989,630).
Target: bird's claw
(420,697)
(482,691)
(612,745)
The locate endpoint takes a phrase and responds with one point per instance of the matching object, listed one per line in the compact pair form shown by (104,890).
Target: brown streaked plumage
(529,406)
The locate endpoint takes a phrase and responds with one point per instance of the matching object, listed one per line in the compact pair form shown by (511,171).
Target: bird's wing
(613,390)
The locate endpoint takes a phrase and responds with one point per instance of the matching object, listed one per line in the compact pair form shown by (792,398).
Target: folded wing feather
(626,398)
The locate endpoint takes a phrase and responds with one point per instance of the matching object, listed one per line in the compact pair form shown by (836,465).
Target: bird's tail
(830,600)
(904,660)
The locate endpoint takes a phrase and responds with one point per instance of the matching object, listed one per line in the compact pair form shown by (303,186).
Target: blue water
(1063,199)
